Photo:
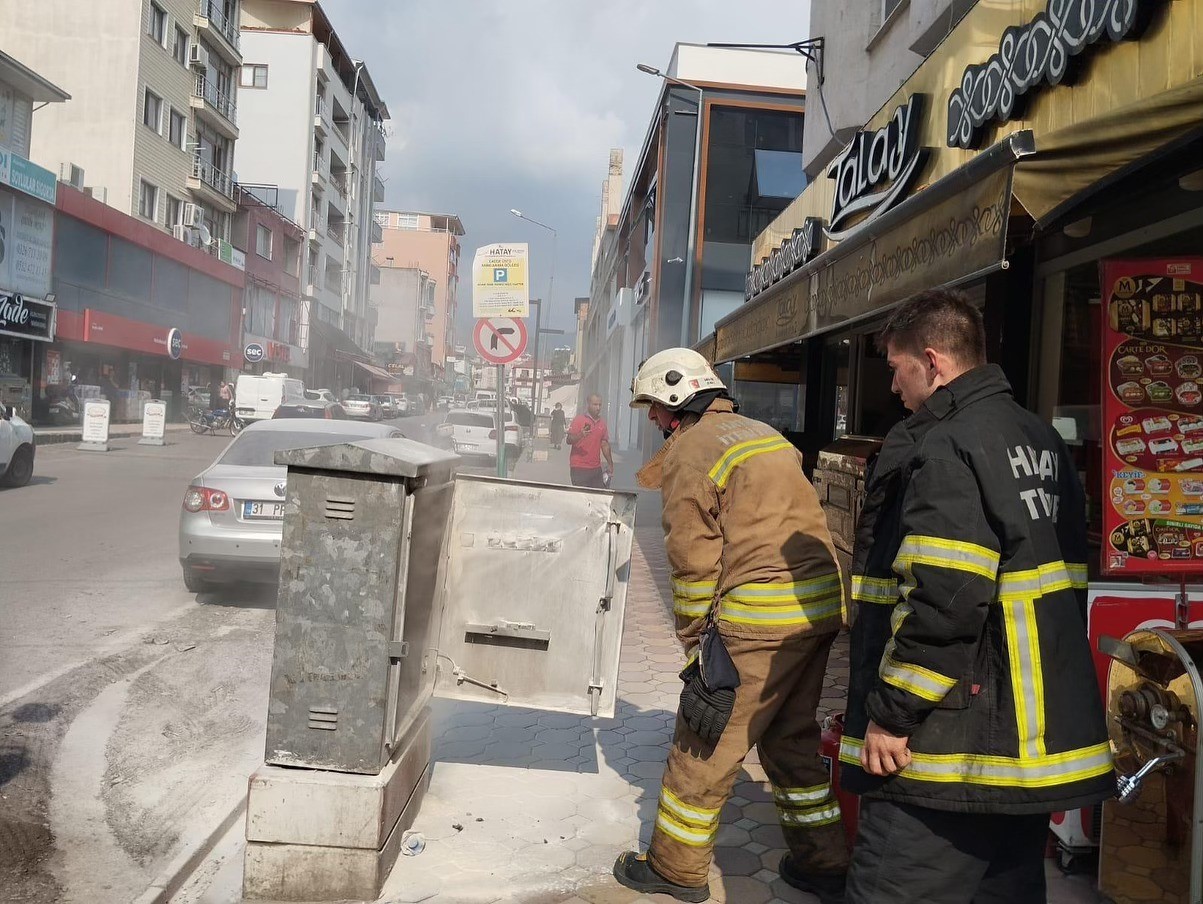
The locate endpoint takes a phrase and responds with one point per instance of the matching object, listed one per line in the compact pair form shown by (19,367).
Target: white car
(17,446)
(475,433)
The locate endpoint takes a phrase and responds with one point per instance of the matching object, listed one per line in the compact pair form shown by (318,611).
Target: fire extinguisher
(829,751)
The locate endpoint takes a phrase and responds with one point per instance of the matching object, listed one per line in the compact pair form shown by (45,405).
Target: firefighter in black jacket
(972,710)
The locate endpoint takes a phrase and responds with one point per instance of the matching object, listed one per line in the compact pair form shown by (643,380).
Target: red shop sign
(1152,412)
(109,329)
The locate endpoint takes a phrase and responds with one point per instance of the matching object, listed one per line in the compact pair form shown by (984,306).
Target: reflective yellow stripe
(793,591)
(810,795)
(702,817)
(693,589)
(797,614)
(942,553)
(824,814)
(998,771)
(1036,582)
(690,608)
(921,682)
(685,834)
(874,590)
(741,452)
(1027,680)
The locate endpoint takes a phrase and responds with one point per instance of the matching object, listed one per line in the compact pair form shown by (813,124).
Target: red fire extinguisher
(829,750)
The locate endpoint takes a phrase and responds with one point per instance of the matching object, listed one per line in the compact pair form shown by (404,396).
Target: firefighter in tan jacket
(758,602)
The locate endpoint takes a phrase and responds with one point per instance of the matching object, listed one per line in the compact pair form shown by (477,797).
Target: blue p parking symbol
(500,274)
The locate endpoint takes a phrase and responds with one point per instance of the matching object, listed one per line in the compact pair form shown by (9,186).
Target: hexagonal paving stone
(459,750)
(554,751)
(733,836)
(559,735)
(653,738)
(769,835)
(648,754)
(648,768)
(783,891)
(735,861)
(772,857)
(740,890)
(762,813)
(560,720)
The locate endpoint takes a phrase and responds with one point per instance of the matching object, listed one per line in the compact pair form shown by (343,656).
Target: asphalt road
(131,711)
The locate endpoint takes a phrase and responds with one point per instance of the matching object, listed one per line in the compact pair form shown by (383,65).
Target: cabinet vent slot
(323,718)
(342,509)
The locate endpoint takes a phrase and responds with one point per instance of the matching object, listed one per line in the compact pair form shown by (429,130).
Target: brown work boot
(633,871)
(827,887)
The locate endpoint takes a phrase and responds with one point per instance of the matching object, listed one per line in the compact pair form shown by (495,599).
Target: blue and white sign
(175,343)
(27,177)
(253,352)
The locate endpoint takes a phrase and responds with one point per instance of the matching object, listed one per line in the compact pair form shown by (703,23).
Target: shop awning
(377,373)
(950,233)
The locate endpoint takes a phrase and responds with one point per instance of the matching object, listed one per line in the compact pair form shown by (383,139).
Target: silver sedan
(233,513)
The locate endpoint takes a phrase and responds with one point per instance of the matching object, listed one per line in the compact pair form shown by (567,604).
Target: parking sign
(500,287)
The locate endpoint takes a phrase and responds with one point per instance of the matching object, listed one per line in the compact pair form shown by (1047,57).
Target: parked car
(388,408)
(257,396)
(17,446)
(232,517)
(475,433)
(403,406)
(362,407)
(331,411)
(320,395)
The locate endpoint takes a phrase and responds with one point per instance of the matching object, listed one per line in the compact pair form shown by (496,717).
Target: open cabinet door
(535,583)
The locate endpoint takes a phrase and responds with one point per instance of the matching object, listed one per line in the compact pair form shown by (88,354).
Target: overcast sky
(516,103)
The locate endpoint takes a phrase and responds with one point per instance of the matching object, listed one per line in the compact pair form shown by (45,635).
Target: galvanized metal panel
(534,594)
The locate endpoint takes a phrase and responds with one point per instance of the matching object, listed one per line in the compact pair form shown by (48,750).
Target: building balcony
(377,233)
(318,177)
(212,185)
(373,275)
(377,189)
(337,233)
(379,142)
(221,33)
(339,181)
(321,116)
(215,107)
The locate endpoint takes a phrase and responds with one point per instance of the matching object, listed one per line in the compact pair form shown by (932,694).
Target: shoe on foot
(827,887)
(633,871)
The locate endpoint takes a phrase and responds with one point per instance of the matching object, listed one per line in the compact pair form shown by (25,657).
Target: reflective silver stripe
(921,682)
(1027,679)
(695,590)
(1077,574)
(874,590)
(690,608)
(741,452)
(821,816)
(797,614)
(683,833)
(786,592)
(813,794)
(998,771)
(699,816)
(942,553)
(1045,579)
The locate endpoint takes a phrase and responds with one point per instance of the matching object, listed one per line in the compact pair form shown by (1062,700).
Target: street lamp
(695,180)
(537,389)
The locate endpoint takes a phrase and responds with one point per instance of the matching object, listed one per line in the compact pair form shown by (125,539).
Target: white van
(257,396)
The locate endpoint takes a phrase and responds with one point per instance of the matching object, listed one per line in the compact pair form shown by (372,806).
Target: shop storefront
(1051,166)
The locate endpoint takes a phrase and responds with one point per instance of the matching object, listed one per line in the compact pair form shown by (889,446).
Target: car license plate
(267,511)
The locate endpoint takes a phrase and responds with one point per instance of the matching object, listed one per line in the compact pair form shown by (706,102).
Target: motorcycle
(67,409)
(205,421)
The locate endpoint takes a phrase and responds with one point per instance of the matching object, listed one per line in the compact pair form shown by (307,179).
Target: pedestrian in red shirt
(589,439)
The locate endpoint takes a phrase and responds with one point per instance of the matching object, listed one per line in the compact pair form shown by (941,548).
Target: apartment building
(314,127)
(430,242)
(154,121)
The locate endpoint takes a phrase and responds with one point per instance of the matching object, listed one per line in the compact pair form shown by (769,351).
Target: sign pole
(501,472)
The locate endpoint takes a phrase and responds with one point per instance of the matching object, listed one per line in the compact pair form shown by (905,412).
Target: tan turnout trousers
(781,681)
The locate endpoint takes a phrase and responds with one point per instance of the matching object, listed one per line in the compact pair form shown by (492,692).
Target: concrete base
(93,447)
(151,441)
(328,836)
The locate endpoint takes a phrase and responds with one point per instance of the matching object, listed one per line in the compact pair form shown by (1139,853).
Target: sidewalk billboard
(500,283)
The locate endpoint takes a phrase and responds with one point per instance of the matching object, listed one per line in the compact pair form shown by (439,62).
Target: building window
(263,242)
(407,221)
(179,49)
(152,111)
(175,208)
(148,200)
(178,129)
(156,27)
(254,75)
(888,7)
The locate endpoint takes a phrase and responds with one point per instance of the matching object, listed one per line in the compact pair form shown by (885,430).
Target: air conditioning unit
(194,216)
(99,192)
(72,174)
(198,56)
(183,233)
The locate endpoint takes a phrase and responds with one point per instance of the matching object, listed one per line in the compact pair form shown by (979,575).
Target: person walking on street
(227,395)
(758,602)
(557,426)
(973,710)
(589,439)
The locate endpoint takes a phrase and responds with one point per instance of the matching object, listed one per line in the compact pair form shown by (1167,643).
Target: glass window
(148,200)
(254,75)
(170,289)
(156,26)
(780,405)
(152,111)
(178,129)
(130,269)
(179,49)
(174,209)
(258,448)
(407,221)
(263,242)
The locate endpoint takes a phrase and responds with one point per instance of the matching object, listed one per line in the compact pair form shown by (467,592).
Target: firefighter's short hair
(942,319)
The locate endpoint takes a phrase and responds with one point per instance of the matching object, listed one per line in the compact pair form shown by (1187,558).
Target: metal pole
(534,390)
(691,244)
(501,420)
(537,390)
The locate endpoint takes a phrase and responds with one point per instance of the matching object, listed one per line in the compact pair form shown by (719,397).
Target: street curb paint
(172,879)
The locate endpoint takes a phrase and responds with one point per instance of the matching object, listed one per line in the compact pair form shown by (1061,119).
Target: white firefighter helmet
(673,377)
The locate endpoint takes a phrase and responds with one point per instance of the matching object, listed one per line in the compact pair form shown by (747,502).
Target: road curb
(172,879)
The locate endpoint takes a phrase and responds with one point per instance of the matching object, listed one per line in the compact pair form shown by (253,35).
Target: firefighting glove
(706,712)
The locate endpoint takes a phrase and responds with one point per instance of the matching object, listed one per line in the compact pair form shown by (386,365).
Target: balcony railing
(211,10)
(339,181)
(213,177)
(337,233)
(218,100)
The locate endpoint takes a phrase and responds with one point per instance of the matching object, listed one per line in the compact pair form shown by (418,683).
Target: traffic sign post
(500,341)
(501,420)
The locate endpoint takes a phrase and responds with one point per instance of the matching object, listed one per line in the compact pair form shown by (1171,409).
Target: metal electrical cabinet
(400,580)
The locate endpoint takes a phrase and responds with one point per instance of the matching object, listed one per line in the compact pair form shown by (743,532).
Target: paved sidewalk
(45,436)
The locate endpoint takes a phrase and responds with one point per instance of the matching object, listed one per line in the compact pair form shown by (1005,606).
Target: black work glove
(706,712)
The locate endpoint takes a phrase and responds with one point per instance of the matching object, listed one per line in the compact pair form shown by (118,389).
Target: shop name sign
(874,172)
(792,253)
(26,318)
(27,177)
(1034,54)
